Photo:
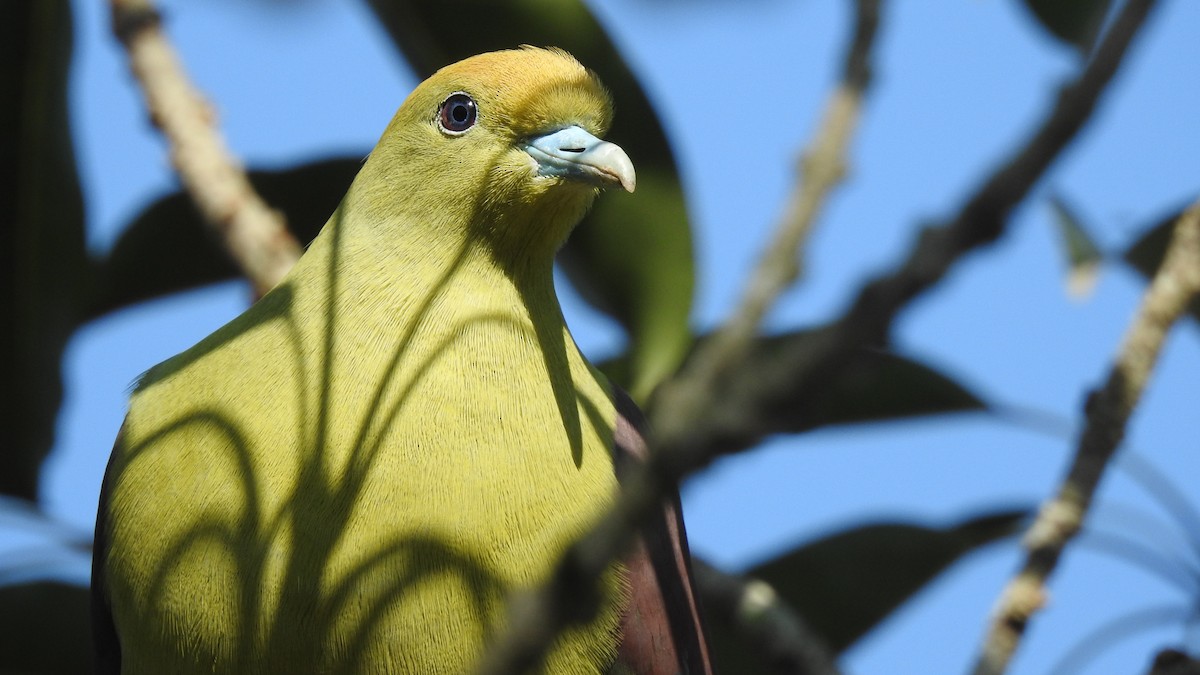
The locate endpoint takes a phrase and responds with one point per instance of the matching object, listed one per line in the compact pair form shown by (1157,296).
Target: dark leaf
(632,255)
(42,256)
(751,629)
(1174,662)
(1146,254)
(845,584)
(47,629)
(1079,248)
(169,248)
(761,397)
(876,386)
(1076,22)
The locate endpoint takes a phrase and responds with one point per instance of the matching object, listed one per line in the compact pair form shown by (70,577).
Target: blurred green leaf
(1075,22)
(169,248)
(1146,254)
(1079,248)
(632,255)
(42,255)
(626,264)
(46,629)
(847,583)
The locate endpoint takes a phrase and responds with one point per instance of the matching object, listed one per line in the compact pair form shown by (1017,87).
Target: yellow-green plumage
(353,475)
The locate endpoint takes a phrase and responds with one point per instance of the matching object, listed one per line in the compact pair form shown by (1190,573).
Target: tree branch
(1108,411)
(254,234)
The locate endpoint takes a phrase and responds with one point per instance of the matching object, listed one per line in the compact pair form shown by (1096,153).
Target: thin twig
(535,620)
(1108,412)
(254,234)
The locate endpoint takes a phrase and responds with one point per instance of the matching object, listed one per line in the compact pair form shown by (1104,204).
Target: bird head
(506,144)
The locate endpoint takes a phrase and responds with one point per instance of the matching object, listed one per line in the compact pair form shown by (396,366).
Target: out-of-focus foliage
(168,248)
(1174,662)
(1075,22)
(46,629)
(41,240)
(877,386)
(1147,252)
(843,585)
(1082,255)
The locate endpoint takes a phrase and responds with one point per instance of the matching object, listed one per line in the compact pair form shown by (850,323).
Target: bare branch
(254,234)
(1108,412)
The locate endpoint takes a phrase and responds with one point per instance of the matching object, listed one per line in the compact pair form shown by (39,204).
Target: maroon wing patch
(662,630)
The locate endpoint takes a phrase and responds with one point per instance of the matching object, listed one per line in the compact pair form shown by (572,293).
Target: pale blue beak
(575,154)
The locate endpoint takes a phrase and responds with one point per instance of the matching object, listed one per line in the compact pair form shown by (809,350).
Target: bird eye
(457,113)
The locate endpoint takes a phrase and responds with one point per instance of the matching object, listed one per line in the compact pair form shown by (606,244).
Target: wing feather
(662,630)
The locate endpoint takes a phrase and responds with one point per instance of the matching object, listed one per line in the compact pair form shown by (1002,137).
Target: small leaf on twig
(1079,248)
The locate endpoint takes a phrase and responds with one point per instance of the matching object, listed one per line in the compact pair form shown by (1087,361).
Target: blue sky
(739,86)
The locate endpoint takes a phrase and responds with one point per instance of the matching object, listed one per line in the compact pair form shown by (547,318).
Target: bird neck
(499,215)
(374,269)
(368,288)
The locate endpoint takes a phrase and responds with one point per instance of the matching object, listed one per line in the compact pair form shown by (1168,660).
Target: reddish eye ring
(457,113)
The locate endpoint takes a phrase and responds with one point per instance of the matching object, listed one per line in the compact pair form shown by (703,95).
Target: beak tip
(618,166)
(629,182)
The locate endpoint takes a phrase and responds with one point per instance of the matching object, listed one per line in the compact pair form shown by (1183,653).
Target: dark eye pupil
(457,113)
